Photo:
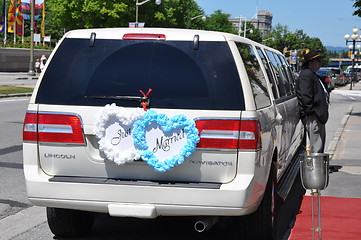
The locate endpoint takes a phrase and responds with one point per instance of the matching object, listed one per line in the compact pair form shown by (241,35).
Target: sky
(328,20)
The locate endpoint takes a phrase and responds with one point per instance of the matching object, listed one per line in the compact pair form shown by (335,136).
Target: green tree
(252,32)
(175,14)
(75,14)
(357,5)
(282,39)
(218,21)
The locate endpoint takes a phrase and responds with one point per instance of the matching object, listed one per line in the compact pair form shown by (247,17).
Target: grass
(5,90)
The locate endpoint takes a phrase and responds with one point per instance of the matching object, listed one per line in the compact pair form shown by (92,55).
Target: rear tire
(260,224)
(68,222)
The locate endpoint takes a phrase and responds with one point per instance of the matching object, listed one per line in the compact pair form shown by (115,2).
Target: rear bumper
(145,199)
(239,197)
(142,210)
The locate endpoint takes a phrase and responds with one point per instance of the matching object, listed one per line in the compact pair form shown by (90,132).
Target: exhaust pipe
(205,223)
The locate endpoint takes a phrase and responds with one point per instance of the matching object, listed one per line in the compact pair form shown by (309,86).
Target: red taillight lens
(327,80)
(30,127)
(53,128)
(143,36)
(229,134)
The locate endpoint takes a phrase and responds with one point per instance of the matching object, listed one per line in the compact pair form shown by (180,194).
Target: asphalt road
(12,194)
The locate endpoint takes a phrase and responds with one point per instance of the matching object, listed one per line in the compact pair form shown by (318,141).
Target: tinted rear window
(179,76)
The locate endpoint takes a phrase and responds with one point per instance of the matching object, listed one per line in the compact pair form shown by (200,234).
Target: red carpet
(340,219)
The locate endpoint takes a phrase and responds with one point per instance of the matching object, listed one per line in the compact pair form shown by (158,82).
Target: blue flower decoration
(167,125)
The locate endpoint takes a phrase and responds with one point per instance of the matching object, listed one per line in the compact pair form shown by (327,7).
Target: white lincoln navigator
(162,122)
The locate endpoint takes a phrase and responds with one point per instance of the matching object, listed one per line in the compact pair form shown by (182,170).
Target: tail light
(327,79)
(229,134)
(53,128)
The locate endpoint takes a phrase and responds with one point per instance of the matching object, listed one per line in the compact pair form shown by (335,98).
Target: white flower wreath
(113,125)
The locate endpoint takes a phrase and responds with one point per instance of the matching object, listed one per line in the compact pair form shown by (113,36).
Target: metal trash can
(314,170)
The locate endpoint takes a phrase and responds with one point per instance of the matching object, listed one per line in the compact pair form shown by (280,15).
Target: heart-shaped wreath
(113,127)
(178,126)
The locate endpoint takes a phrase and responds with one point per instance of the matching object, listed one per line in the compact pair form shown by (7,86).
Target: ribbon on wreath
(145,100)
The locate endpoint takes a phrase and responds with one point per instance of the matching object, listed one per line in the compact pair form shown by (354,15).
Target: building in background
(263,22)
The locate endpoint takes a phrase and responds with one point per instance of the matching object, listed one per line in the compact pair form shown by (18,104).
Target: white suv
(161,122)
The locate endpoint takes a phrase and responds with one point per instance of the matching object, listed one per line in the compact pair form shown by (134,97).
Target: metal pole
(15,4)
(319,214)
(23,29)
(31,71)
(245,27)
(353,63)
(313,214)
(5,23)
(136,14)
(316,195)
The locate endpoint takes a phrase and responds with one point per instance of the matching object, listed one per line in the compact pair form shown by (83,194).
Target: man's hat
(310,56)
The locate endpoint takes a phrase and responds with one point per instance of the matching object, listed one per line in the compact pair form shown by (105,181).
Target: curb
(336,138)
(27,78)
(15,95)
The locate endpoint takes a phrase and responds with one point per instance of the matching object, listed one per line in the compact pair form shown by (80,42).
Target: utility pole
(31,71)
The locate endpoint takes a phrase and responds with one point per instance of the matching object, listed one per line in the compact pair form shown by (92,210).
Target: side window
(290,76)
(278,72)
(255,75)
(268,71)
(283,74)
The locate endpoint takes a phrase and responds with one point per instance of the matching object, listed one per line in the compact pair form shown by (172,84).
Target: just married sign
(130,134)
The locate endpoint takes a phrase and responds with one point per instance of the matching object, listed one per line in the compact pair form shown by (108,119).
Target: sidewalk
(345,175)
(17,79)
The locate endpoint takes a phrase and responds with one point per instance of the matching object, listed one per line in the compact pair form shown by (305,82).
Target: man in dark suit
(313,101)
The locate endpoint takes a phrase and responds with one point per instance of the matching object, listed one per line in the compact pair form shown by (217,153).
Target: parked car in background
(337,75)
(348,76)
(327,79)
(354,73)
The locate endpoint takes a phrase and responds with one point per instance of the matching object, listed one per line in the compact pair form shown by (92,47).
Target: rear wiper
(130,98)
(144,101)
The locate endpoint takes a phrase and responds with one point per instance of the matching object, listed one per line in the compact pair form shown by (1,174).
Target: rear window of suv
(180,76)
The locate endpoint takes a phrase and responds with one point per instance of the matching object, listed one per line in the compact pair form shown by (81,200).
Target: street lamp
(137,4)
(265,40)
(204,18)
(250,30)
(245,27)
(353,38)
